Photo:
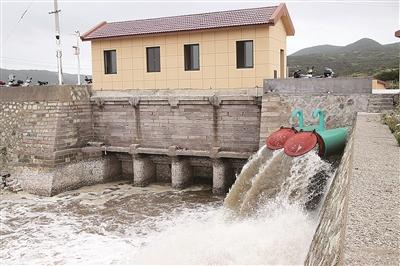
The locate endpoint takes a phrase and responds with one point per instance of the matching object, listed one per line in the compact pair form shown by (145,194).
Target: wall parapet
(319,86)
(176,100)
(56,93)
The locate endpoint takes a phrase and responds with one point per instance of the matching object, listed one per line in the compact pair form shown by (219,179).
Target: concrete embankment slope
(360,223)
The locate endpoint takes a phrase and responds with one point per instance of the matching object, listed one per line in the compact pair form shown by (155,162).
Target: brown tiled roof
(232,18)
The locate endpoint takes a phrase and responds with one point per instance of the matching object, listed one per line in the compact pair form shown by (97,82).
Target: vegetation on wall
(393,121)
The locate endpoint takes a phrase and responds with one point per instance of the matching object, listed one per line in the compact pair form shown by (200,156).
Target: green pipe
(309,128)
(331,141)
(299,114)
(319,113)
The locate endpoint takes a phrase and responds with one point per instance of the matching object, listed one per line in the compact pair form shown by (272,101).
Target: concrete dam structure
(64,137)
(72,137)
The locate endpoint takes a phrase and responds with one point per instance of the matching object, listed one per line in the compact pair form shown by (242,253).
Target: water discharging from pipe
(263,220)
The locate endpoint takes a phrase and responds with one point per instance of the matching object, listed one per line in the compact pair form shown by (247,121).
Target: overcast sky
(30,44)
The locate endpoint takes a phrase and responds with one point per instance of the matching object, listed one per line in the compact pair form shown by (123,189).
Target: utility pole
(77,52)
(58,41)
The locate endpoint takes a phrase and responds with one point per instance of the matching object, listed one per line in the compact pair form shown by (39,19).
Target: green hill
(362,58)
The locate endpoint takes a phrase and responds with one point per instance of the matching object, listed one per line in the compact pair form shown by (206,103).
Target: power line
(19,20)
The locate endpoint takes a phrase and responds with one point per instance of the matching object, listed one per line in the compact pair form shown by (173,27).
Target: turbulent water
(263,220)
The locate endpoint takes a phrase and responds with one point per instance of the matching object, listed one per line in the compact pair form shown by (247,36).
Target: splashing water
(263,221)
(282,179)
(270,193)
(244,180)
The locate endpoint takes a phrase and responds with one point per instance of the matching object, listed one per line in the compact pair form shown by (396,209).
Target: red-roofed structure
(225,49)
(232,18)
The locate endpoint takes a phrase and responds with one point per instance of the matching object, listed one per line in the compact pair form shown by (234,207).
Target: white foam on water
(280,236)
(279,232)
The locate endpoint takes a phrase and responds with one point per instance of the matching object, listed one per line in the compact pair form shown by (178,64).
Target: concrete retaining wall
(359,222)
(327,245)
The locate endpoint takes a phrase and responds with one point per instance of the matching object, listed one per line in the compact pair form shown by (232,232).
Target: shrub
(393,121)
(388,74)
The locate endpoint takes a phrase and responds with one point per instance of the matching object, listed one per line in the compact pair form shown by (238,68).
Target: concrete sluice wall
(79,137)
(178,137)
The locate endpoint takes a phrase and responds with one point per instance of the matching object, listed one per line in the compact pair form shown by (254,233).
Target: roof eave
(281,12)
(158,33)
(84,36)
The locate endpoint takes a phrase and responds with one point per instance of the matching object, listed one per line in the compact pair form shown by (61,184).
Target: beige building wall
(217,59)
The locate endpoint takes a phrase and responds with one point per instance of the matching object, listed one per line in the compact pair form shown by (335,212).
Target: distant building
(228,49)
(397,34)
(378,84)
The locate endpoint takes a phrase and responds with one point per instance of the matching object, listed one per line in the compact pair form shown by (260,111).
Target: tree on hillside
(388,75)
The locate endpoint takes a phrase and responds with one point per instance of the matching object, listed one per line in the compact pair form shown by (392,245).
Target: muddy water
(100,224)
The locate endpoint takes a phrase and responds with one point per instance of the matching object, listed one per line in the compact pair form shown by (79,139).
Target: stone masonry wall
(42,135)
(43,126)
(189,122)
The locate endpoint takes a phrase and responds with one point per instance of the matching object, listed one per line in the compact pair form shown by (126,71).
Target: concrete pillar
(144,171)
(181,173)
(222,176)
